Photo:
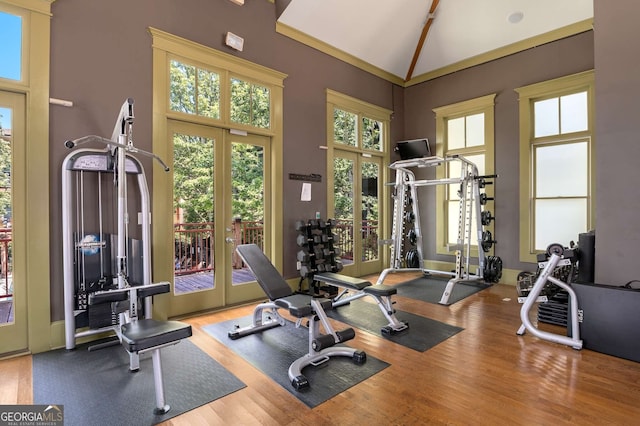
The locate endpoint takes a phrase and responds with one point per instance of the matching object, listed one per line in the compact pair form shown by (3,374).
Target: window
(194,90)
(11,46)
(465,129)
(202,92)
(346,131)
(250,103)
(199,90)
(556,135)
(357,134)
(24,89)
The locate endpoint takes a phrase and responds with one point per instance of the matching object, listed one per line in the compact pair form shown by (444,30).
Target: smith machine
(406,214)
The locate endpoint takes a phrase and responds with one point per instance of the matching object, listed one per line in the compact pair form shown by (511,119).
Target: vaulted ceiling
(409,41)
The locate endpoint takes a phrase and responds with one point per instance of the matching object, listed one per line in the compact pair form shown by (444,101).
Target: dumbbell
(302,240)
(303,256)
(300,225)
(318,252)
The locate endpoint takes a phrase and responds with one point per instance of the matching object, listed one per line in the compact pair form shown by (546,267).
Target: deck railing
(194,249)
(6,263)
(369,236)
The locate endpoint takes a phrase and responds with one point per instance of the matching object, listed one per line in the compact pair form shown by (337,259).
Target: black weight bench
(300,306)
(361,288)
(143,335)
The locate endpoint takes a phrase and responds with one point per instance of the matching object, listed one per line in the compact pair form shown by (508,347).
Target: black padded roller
(323,341)
(346,334)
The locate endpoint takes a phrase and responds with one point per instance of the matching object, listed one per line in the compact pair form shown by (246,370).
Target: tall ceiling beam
(423,37)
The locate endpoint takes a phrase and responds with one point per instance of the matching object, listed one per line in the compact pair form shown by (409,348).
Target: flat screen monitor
(414,148)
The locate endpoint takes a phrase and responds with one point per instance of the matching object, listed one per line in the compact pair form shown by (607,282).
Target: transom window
(194,90)
(11,46)
(250,103)
(198,90)
(356,130)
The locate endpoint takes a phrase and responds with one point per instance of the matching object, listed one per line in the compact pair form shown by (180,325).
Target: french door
(357,208)
(219,201)
(13,289)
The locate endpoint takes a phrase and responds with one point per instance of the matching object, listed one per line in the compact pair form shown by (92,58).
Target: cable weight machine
(88,243)
(471,201)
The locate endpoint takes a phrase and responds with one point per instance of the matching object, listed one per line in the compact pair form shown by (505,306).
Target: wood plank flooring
(485,374)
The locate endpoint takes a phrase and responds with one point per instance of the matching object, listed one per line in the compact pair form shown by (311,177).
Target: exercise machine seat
(143,334)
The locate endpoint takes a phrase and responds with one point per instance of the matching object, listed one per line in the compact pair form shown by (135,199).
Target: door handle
(229,240)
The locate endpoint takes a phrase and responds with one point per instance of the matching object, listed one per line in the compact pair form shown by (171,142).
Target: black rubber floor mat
(422,334)
(273,350)
(96,387)
(430,289)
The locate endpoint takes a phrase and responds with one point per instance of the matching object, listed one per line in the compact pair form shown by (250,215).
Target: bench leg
(386,306)
(161,407)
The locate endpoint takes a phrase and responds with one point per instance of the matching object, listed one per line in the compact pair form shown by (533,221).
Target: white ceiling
(385,33)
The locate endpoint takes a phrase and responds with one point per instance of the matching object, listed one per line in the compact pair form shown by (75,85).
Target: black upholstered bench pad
(299,305)
(342,280)
(381,290)
(147,333)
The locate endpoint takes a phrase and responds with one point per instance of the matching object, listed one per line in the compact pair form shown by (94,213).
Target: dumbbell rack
(470,208)
(318,251)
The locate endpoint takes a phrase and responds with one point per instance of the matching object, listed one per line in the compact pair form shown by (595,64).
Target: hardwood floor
(485,374)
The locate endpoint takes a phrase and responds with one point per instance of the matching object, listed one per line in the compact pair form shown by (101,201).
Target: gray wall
(617,60)
(101,54)
(502,76)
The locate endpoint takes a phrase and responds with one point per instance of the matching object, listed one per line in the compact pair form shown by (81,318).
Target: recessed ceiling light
(515,17)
